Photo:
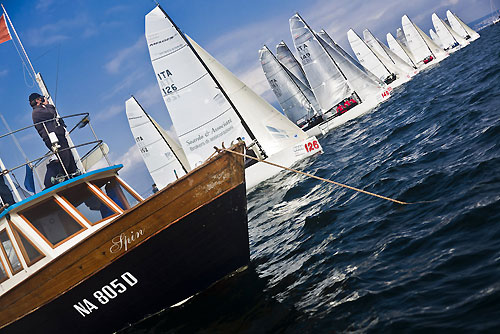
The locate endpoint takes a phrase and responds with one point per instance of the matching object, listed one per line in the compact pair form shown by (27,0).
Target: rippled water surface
(326,259)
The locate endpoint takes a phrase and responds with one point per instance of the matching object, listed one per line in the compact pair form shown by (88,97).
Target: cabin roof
(63,185)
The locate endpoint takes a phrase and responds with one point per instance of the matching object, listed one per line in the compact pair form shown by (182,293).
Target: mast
(161,135)
(245,125)
(291,79)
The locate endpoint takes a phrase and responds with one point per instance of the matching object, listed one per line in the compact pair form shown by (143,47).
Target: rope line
(320,178)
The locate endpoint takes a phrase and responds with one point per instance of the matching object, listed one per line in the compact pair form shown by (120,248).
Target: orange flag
(4,31)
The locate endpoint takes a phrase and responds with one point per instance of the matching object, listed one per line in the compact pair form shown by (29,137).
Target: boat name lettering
(122,241)
(162,41)
(107,293)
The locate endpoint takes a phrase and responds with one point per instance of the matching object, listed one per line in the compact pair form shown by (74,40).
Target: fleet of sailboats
(327,87)
(93,231)
(209,105)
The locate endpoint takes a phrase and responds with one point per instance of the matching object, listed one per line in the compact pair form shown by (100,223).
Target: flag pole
(18,39)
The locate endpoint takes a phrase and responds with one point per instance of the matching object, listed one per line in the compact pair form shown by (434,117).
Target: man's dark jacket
(45,113)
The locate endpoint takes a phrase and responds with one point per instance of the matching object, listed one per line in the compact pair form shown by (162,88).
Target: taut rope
(315,177)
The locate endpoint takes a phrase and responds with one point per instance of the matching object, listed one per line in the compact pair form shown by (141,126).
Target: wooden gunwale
(221,174)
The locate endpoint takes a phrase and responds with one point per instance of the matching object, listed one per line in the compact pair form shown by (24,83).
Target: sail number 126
(311,146)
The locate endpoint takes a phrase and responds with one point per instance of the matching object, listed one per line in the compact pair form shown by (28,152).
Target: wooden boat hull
(180,241)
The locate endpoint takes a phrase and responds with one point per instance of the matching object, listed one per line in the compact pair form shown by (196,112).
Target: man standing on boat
(45,112)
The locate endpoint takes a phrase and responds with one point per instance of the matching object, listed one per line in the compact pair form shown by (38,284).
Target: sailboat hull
(357,111)
(261,171)
(178,242)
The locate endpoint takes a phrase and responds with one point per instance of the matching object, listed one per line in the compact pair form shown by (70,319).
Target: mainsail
(201,114)
(401,50)
(436,39)
(296,105)
(286,57)
(161,154)
(460,27)
(401,67)
(328,83)
(421,46)
(369,59)
(448,40)
(363,85)
(326,37)
(271,128)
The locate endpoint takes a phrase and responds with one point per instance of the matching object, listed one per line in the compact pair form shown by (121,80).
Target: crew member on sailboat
(46,122)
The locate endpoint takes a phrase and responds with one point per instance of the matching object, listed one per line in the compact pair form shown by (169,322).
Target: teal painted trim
(56,187)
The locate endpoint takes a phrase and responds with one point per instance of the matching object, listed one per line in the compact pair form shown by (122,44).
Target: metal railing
(55,152)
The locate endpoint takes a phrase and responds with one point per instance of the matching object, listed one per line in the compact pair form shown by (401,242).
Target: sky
(93,56)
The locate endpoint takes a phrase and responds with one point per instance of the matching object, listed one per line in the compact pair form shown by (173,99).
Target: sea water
(330,260)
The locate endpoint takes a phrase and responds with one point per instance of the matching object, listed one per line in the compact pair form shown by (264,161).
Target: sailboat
(401,50)
(449,39)
(425,51)
(369,59)
(328,39)
(90,255)
(286,57)
(296,99)
(436,39)
(164,158)
(386,54)
(343,91)
(209,106)
(461,28)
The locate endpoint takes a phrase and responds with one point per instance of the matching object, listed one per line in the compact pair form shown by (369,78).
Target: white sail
(324,35)
(367,57)
(399,65)
(401,50)
(201,114)
(463,42)
(327,82)
(447,39)
(421,46)
(400,36)
(362,84)
(286,57)
(436,38)
(460,27)
(291,98)
(158,155)
(271,128)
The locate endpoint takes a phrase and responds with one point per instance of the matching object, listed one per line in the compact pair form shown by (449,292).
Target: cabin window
(30,252)
(86,202)
(52,221)
(117,192)
(3,273)
(10,253)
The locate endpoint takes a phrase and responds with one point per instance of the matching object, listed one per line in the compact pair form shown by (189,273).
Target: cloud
(62,30)
(3,73)
(131,160)
(115,65)
(111,111)
(43,5)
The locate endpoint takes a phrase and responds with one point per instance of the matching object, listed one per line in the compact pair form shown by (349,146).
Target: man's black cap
(34,96)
